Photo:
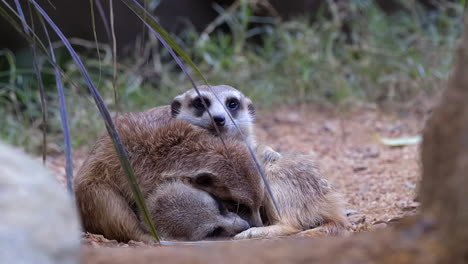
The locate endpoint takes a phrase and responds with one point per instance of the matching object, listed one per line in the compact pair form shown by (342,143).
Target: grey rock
(38,219)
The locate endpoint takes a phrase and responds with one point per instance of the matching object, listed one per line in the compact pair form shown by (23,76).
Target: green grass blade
(31,39)
(102,14)
(38,74)
(93,23)
(114,54)
(111,129)
(63,113)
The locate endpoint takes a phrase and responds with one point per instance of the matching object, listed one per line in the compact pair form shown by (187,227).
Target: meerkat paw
(148,239)
(271,156)
(266,232)
(326,230)
(254,232)
(314,232)
(267,154)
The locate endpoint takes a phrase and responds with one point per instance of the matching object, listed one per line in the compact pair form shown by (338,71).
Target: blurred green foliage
(360,53)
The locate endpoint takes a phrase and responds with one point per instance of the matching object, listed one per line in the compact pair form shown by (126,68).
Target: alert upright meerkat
(161,153)
(188,106)
(306,199)
(181,212)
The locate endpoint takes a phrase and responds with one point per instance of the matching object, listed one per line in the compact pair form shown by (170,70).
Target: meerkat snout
(219,120)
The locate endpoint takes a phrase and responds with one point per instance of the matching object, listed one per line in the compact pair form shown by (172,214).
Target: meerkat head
(182,212)
(229,174)
(189,107)
(184,152)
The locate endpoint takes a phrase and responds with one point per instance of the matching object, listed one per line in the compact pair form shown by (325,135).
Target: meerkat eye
(198,104)
(243,210)
(232,104)
(204,179)
(221,207)
(238,208)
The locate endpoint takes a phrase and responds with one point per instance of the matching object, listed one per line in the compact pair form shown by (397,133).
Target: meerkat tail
(111,216)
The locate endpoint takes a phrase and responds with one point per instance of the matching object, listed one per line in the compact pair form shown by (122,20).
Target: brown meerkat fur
(189,107)
(181,212)
(160,153)
(316,213)
(306,199)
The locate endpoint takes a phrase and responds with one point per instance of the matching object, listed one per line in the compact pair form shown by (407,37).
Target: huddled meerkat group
(198,187)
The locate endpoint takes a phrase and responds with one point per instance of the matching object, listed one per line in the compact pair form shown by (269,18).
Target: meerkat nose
(219,120)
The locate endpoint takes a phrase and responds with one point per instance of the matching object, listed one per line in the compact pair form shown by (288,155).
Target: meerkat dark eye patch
(175,108)
(238,208)
(198,104)
(221,207)
(251,109)
(204,179)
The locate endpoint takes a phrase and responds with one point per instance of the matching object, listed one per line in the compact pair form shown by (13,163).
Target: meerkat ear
(204,179)
(251,108)
(175,106)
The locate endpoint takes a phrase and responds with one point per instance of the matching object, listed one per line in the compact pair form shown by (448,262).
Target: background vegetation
(357,53)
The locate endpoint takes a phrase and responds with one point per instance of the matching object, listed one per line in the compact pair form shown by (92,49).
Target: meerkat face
(185,213)
(189,107)
(230,175)
(232,199)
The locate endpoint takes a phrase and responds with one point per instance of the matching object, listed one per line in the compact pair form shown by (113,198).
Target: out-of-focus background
(280,53)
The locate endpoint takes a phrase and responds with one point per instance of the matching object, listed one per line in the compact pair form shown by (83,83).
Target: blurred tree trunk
(444,189)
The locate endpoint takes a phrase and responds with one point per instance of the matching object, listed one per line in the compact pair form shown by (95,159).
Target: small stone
(371,151)
(39,223)
(359,168)
(350,212)
(357,219)
(379,226)
(329,127)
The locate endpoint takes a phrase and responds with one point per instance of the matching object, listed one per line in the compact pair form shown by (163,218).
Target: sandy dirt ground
(379,182)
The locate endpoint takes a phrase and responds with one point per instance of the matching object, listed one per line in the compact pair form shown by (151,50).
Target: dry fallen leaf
(400,142)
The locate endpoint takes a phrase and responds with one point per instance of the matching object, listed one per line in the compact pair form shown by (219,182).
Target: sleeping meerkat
(306,199)
(181,212)
(175,152)
(282,172)
(189,107)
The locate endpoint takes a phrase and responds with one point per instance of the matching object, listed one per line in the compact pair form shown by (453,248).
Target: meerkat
(39,222)
(189,106)
(307,199)
(160,153)
(181,212)
(281,171)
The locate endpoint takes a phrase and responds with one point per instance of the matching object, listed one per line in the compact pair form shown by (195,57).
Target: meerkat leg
(267,231)
(326,229)
(107,213)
